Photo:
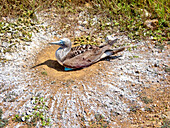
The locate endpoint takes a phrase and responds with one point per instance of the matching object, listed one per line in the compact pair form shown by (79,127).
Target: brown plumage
(84,55)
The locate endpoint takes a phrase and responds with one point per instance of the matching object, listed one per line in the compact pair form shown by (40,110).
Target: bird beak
(57,43)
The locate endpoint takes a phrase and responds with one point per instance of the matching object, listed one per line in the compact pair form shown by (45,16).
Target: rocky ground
(131,89)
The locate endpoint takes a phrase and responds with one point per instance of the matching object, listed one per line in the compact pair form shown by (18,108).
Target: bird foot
(67,69)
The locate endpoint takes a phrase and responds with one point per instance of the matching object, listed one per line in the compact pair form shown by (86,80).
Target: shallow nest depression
(47,64)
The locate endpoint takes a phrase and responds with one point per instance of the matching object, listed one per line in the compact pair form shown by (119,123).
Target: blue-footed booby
(83,55)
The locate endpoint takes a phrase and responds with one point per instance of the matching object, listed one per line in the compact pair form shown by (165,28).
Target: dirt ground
(156,97)
(131,89)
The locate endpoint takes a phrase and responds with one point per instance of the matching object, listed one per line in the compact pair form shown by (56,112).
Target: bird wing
(79,50)
(85,59)
(89,57)
(87,47)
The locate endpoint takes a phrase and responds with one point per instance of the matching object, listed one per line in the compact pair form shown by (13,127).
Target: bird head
(65,42)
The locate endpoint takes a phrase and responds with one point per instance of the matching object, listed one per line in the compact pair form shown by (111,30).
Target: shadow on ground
(55,65)
(51,64)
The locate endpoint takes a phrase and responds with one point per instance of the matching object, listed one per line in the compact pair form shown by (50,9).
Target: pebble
(137,72)
(168,115)
(133,84)
(24,66)
(85,22)
(23,119)
(5,44)
(28,113)
(143,109)
(8,56)
(110,38)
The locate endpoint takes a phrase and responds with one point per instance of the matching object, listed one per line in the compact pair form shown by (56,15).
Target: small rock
(54,33)
(9,35)
(74,86)
(80,22)
(8,56)
(168,115)
(145,13)
(85,23)
(29,120)
(137,72)
(53,82)
(156,65)
(23,119)
(5,44)
(143,109)
(133,84)
(81,28)
(88,5)
(4,18)
(110,38)
(24,66)
(46,103)
(152,24)
(86,111)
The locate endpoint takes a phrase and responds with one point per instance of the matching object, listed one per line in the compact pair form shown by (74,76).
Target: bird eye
(61,42)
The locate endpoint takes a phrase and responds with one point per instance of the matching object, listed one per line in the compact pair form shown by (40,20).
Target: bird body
(83,55)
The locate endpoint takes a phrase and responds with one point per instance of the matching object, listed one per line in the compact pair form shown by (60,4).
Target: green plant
(39,114)
(126,16)
(99,121)
(167,69)
(131,57)
(84,40)
(44,73)
(146,100)
(130,16)
(166,124)
(134,109)
(3,121)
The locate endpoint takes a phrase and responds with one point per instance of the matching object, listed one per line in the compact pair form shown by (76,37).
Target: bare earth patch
(46,62)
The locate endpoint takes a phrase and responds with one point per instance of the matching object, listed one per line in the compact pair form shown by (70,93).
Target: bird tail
(111,42)
(116,50)
(111,52)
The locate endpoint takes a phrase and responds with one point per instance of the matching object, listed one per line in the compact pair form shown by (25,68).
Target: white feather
(108,53)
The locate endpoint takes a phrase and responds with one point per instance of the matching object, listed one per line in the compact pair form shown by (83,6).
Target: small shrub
(146,100)
(44,73)
(166,124)
(3,121)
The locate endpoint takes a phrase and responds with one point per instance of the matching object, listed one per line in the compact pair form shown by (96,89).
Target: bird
(84,55)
